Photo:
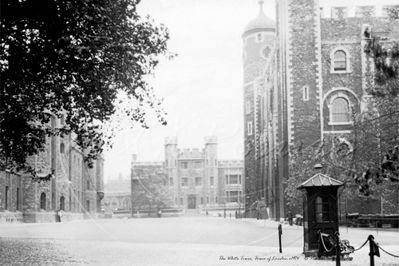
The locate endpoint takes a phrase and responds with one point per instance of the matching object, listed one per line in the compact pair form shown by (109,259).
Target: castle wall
(39,202)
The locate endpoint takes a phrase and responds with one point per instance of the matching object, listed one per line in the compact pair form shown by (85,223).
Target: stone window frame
(184,184)
(261,51)
(198,181)
(249,128)
(257,39)
(305,93)
(43,201)
(248,107)
(62,147)
(329,105)
(348,60)
(62,203)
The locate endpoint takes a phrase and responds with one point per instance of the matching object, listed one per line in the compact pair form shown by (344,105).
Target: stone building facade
(304,78)
(197,179)
(193,178)
(75,188)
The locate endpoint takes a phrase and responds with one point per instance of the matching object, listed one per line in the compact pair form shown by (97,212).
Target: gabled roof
(320,180)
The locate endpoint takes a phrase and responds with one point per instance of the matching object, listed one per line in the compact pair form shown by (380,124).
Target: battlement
(343,12)
(231,163)
(190,153)
(211,140)
(154,163)
(171,141)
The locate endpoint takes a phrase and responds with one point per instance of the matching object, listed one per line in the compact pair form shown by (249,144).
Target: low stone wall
(13,217)
(50,217)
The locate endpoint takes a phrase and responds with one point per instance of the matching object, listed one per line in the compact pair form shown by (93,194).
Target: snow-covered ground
(176,241)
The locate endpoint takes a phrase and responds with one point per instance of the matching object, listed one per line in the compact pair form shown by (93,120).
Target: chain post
(338,258)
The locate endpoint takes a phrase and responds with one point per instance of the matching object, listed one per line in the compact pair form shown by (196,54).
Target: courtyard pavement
(188,240)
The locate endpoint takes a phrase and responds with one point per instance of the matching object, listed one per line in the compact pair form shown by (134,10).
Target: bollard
(374,251)
(280,232)
(338,258)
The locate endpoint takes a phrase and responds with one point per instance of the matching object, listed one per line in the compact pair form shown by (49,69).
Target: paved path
(188,240)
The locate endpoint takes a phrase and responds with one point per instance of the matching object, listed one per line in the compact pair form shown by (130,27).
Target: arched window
(340,61)
(43,201)
(340,111)
(62,147)
(259,37)
(62,203)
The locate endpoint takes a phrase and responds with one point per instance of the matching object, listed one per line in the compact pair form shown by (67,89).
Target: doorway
(192,200)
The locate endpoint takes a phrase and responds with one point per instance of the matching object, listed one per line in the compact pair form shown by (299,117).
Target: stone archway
(192,201)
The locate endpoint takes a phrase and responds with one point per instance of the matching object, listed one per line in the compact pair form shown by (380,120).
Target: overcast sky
(202,86)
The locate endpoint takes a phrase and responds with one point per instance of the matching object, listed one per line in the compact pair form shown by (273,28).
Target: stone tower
(211,166)
(171,164)
(258,41)
(299,45)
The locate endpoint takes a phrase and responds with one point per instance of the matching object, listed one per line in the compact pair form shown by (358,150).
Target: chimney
(318,168)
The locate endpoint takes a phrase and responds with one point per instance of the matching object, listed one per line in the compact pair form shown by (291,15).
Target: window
(6,206)
(43,201)
(62,120)
(207,199)
(175,200)
(233,179)
(323,210)
(198,164)
(305,93)
(198,181)
(88,205)
(233,196)
(184,165)
(18,199)
(88,185)
(211,180)
(184,182)
(202,200)
(181,201)
(62,203)
(170,181)
(62,147)
(249,128)
(216,200)
(248,107)
(259,37)
(339,60)
(340,111)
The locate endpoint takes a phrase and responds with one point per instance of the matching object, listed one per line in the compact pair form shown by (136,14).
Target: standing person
(160,213)
(290,218)
(57,216)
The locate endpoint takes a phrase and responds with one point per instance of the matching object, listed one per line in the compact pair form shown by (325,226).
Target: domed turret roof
(260,23)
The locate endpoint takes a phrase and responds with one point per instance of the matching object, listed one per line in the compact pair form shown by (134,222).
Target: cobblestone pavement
(172,241)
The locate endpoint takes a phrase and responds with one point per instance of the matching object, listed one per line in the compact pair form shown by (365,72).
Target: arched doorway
(192,201)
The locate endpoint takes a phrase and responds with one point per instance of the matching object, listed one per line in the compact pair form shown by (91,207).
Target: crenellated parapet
(342,12)
(211,140)
(171,141)
(191,153)
(231,163)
